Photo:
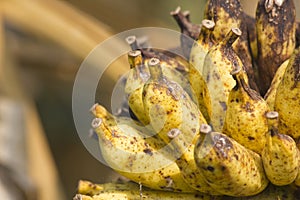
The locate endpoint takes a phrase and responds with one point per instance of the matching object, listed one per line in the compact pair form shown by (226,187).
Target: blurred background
(42,44)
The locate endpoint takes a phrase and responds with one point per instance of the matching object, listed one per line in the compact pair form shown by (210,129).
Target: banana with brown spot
(288,96)
(271,93)
(245,119)
(137,77)
(135,154)
(276,31)
(198,52)
(219,62)
(229,167)
(226,15)
(280,156)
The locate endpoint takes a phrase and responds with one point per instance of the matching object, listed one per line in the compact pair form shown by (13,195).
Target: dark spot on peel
(210,168)
(148,151)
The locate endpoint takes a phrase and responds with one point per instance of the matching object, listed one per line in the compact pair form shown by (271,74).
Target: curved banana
(271,93)
(135,154)
(202,45)
(287,98)
(219,62)
(174,67)
(186,162)
(137,77)
(198,52)
(226,15)
(229,167)
(280,156)
(132,191)
(176,119)
(168,106)
(245,119)
(276,28)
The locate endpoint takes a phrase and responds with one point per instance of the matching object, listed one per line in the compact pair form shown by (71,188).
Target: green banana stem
(231,37)
(135,58)
(155,69)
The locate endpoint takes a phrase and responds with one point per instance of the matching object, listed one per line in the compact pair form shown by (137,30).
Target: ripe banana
(280,156)
(245,119)
(229,167)
(198,52)
(186,162)
(131,191)
(135,154)
(219,62)
(287,98)
(226,15)
(276,27)
(271,93)
(137,77)
(177,120)
(169,106)
(202,45)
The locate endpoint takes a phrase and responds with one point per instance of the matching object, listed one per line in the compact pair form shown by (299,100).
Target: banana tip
(205,128)
(209,24)
(96,122)
(237,31)
(272,115)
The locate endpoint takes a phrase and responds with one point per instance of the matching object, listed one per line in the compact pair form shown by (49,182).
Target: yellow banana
(226,15)
(176,119)
(131,191)
(168,106)
(271,93)
(137,77)
(245,119)
(280,156)
(201,46)
(229,167)
(218,63)
(276,27)
(186,162)
(198,52)
(287,98)
(135,154)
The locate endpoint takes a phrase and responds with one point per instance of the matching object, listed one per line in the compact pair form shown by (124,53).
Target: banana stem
(231,37)
(135,58)
(206,31)
(237,76)
(155,69)
(131,40)
(272,118)
(187,28)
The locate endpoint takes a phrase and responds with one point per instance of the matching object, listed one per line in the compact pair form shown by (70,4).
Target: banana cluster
(225,122)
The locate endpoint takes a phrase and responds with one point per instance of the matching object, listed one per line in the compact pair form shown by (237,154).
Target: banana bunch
(224,124)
